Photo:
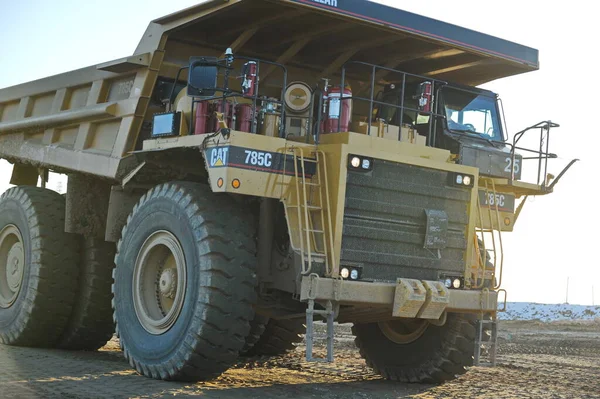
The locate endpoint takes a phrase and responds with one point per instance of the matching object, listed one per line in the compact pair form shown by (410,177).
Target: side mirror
(202,76)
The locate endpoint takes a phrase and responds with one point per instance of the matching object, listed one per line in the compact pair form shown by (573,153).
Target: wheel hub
(403,331)
(14,271)
(168,283)
(159,282)
(12,265)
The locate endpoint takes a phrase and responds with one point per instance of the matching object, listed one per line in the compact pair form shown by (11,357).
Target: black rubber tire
(257,328)
(439,355)
(278,338)
(42,308)
(217,239)
(91,324)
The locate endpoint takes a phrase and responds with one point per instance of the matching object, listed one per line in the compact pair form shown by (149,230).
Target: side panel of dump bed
(85,121)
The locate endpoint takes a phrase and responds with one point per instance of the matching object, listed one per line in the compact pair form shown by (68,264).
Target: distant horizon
(557,304)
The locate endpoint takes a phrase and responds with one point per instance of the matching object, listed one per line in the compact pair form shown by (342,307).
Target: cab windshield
(472,113)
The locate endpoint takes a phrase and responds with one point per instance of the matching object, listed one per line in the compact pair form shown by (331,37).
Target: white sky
(555,235)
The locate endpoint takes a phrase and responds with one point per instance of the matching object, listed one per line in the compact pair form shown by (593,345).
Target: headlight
(461,179)
(345,272)
(359,163)
(452,282)
(354,274)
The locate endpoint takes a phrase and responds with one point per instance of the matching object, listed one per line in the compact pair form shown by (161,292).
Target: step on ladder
(329,315)
(315,243)
(486,339)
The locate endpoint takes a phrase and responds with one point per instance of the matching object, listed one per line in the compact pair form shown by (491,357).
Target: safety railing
(401,107)
(542,155)
(494,236)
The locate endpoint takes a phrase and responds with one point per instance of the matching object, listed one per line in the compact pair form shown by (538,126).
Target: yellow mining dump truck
(260,164)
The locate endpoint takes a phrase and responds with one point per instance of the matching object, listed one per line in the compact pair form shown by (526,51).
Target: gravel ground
(536,360)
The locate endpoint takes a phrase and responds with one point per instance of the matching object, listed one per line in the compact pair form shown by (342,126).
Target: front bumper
(429,303)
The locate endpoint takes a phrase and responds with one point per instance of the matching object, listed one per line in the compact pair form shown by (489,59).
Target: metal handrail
(501,245)
(497,248)
(543,154)
(433,115)
(333,269)
(306,230)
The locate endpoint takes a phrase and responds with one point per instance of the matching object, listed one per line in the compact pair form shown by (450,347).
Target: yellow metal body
(259,181)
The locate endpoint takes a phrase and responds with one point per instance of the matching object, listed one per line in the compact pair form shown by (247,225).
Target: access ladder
(314,239)
(486,339)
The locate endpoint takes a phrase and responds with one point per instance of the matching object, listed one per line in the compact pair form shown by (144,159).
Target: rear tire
(38,267)
(257,329)
(278,338)
(435,355)
(91,325)
(190,321)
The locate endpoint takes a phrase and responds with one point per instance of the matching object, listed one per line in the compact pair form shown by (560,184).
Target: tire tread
(90,325)
(207,351)
(53,270)
(442,365)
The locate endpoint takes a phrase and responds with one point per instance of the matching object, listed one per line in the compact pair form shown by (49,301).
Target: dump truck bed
(89,120)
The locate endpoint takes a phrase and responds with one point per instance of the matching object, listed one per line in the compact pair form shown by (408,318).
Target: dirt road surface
(536,360)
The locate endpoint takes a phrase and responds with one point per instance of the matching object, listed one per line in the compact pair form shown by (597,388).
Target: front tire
(184,285)
(433,354)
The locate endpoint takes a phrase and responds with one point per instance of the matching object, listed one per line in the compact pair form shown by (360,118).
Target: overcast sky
(556,234)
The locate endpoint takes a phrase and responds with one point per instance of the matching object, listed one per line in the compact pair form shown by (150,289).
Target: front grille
(385,222)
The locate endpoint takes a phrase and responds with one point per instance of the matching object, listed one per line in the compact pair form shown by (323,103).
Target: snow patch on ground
(548,312)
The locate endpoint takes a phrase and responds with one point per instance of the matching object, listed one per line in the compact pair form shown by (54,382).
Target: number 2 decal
(516,167)
(259,158)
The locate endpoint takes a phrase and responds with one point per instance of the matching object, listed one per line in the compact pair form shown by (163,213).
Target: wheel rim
(403,331)
(159,282)
(12,265)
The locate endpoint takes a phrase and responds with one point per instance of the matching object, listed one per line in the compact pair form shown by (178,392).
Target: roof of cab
(323,34)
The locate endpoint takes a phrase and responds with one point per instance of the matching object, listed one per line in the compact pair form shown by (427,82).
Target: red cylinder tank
(426,97)
(325,109)
(202,115)
(249,83)
(340,110)
(244,118)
